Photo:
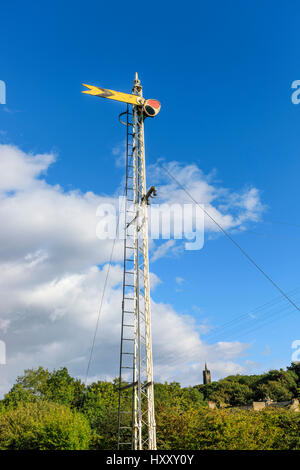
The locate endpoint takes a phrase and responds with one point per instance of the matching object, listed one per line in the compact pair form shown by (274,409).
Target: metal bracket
(150,193)
(134,384)
(122,114)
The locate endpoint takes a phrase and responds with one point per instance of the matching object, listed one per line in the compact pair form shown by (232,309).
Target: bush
(43,426)
(40,384)
(228,429)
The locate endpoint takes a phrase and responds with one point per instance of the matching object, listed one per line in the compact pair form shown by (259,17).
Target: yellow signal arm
(114,95)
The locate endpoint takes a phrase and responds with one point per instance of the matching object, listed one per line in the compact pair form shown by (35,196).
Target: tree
(294,369)
(40,384)
(62,388)
(225,429)
(43,426)
(230,391)
(100,406)
(279,385)
(172,395)
(52,410)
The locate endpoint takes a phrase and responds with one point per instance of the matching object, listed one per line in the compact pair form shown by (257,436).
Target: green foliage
(228,430)
(40,384)
(43,426)
(172,395)
(235,390)
(100,406)
(294,369)
(278,385)
(231,393)
(52,410)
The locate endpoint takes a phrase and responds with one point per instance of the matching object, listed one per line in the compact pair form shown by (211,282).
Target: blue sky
(223,74)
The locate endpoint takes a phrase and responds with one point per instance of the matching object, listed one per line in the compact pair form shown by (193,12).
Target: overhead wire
(248,315)
(242,250)
(190,354)
(261,323)
(101,302)
(223,327)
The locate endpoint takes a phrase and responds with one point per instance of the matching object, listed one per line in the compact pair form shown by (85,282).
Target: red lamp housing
(151,107)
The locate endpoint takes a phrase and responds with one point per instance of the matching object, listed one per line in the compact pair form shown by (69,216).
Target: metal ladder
(127,377)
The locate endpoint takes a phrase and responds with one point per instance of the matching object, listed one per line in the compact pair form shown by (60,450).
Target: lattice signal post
(136,428)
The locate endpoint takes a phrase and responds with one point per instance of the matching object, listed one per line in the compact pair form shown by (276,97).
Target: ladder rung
(128,354)
(129,285)
(126,367)
(129,298)
(129,326)
(127,339)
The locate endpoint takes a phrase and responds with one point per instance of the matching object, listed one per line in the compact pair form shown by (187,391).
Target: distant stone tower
(206,376)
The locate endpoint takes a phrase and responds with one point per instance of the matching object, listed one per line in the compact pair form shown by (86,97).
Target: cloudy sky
(220,132)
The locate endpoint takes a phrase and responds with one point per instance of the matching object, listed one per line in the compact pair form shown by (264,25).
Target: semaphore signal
(136,428)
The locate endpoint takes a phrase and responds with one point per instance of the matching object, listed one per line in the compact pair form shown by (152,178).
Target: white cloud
(163,249)
(19,171)
(52,271)
(183,359)
(119,152)
(230,209)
